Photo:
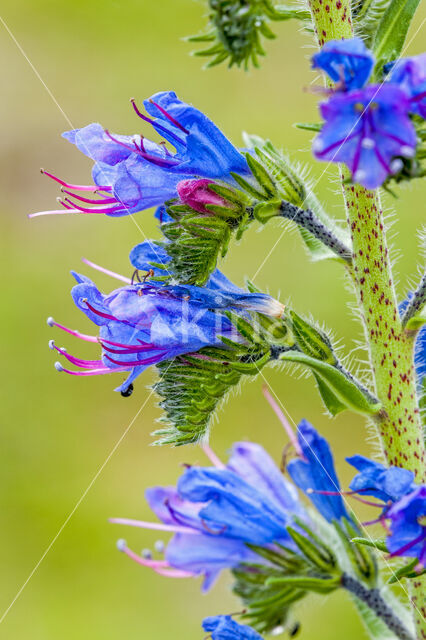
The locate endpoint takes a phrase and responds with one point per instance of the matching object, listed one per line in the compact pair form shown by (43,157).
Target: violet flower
(369,130)
(132,173)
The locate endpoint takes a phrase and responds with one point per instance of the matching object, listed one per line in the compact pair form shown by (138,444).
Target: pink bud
(196,194)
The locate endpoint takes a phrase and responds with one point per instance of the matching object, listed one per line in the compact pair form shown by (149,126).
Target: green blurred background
(58,431)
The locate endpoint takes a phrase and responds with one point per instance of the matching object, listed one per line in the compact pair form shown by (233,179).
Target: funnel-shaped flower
(132,173)
(214,512)
(146,322)
(369,130)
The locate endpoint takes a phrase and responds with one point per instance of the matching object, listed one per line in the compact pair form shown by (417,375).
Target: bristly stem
(373,599)
(309,221)
(390,347)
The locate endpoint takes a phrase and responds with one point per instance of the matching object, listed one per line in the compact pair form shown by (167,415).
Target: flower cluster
(369,127)
(216,512)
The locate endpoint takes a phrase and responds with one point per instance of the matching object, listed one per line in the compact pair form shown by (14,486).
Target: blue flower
(376,480)
(408,526)
(410,75)
(315,473)
(369,130)
(225,628)
(214,512)
(132,173)
(147,322)
(345,61)
(420,346)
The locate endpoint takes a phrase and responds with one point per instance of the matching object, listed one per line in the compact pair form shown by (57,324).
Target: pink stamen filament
(213,457)
(161,162)
(107,209)
(77,334)
(84,364)
(90,200)
(159,567)
(156,526)
(169,117)
(134,363)
(153,122)
(282,418)
(79,187)
(353,494)
(107,316)
(113,274)
(93,372)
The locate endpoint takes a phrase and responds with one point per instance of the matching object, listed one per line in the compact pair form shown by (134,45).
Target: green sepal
(392,31)
(380,545)
(264,211)
(320,557)
(309,126)
(247,186)
(347,392)
(361,557)
(307,583)
(262,176)
(416,322)
(312,341)
(406,572)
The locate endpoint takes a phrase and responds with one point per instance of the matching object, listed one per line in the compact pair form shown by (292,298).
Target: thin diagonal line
(35,71)
(78,503)
(334,155)
(153,247)
(343,497)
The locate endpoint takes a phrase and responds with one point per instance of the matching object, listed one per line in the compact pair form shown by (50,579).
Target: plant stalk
(390,347)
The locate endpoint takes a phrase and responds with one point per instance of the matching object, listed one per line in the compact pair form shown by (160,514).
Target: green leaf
(392,30)
(331,401)
(340,385)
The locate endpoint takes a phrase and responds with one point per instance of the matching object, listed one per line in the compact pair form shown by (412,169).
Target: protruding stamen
(161,162)
(282,418)
(214,459)
(156,526)
(77,334)
(79,187)
(159,566)
(154,122)
(134,363)
(89,200)
(113,274)
(169,117)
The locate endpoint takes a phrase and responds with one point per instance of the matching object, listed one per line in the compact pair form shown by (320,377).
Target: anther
(52,345)
(50,321)
(159,546)
(58,366)
(121,544)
